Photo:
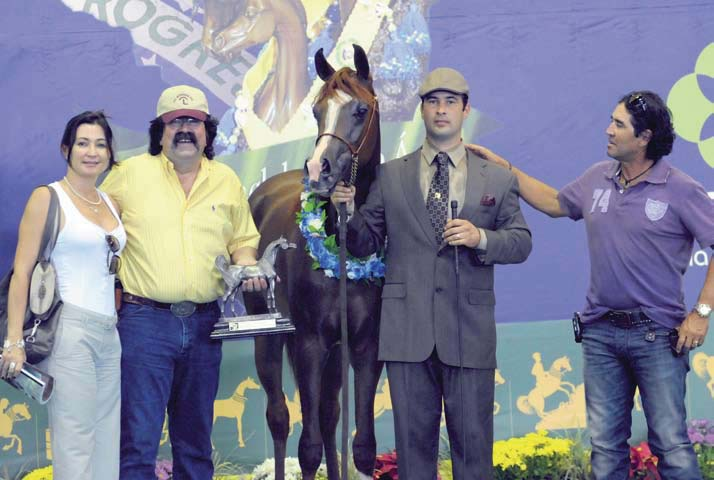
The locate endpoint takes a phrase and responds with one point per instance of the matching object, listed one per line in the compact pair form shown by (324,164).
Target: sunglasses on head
(113,260)
(637,100)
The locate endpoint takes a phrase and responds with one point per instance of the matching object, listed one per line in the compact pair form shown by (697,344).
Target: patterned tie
(437,201)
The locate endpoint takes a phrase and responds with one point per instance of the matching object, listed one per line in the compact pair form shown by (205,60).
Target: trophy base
(236,328)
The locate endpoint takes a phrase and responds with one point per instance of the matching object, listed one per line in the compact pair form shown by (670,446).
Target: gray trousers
(84,411)
(417,391)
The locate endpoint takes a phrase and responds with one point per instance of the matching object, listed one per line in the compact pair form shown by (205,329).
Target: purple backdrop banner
(544,76)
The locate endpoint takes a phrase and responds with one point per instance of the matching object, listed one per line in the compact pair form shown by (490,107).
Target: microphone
(454,208)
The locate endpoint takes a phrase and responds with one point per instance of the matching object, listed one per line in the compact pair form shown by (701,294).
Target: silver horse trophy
(230,326)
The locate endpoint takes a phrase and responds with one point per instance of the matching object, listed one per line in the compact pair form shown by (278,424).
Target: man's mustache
(180,136)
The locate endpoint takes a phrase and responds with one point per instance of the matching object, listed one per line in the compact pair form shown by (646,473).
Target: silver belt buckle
(183,309)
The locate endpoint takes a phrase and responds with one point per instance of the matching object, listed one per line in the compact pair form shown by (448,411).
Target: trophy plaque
(234,324)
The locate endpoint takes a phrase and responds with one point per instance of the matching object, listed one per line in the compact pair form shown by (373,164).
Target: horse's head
(234,26)
(562,364)
(281,242)
(347,117)
(251,383)
(20,411)
(271,250)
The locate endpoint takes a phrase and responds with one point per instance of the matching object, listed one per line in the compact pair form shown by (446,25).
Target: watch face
(704,310)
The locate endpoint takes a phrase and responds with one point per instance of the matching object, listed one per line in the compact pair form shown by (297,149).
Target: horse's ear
(361,62)
(323,67)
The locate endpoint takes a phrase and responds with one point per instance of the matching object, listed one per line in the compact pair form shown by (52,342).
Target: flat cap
(446,79)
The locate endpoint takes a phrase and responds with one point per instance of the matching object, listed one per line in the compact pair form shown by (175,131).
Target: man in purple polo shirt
(641,216)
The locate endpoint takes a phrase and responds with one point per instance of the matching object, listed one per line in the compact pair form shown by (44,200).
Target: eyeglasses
(637,100)
(113,260)
(179,122)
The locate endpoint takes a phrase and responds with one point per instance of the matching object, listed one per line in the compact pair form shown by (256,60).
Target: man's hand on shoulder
(488,155)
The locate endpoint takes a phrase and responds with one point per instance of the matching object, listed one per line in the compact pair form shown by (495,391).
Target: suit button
(439,289)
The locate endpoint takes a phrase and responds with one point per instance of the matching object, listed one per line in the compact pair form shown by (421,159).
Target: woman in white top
(84,412)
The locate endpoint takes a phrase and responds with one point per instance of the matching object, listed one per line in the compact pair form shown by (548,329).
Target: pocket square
(488,200)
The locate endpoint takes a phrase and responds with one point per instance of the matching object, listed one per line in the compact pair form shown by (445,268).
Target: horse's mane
(345,79)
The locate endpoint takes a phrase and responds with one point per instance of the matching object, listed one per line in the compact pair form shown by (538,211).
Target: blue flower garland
(323,249)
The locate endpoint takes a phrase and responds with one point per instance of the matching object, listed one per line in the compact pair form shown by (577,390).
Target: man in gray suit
(438,333)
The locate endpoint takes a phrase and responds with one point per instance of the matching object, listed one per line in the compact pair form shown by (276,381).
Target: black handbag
(43,303)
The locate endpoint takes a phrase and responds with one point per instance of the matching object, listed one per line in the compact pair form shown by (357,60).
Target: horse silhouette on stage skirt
(347,149)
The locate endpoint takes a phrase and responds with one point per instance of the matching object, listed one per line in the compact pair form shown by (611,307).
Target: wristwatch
(703,310)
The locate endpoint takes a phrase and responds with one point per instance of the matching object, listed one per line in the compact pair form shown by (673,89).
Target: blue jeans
(616,361)
(169,365)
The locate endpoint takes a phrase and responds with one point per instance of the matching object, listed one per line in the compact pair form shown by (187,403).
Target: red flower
(385,467)
(642,463)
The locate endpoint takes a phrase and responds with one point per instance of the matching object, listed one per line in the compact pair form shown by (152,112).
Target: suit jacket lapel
(475,185)
(414,196)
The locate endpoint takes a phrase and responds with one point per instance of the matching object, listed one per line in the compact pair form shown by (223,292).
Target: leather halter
(354,151)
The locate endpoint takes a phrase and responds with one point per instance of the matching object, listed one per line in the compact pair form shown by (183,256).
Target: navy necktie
(437,200)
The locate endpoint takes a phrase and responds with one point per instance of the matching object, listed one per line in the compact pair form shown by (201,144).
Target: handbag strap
(51,231)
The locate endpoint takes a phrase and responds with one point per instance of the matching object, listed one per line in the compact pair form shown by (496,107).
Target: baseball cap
(446,79)
(182,101)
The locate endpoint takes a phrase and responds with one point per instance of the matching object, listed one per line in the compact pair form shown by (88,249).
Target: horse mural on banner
(231,26)
(548,382)
(9,415)
(234,406)
(347,114)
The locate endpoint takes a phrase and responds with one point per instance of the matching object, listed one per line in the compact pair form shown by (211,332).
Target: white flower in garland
(266,470)
(323,249)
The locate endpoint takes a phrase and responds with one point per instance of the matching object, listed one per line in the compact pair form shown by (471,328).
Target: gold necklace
(95,205)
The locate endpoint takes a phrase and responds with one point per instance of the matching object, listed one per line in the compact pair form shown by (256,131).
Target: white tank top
(80,258)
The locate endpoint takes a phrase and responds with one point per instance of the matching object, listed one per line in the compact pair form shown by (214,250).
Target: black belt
(180,309)
(627,318)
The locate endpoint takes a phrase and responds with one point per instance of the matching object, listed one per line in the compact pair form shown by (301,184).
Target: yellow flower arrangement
(533,454)
(44,473)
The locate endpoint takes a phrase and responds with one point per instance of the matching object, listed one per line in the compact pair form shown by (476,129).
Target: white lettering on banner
(700,258)
(172,35)
(601,198)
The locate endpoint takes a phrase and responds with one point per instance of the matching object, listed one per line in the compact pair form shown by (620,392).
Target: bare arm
(28,245)
(539,195)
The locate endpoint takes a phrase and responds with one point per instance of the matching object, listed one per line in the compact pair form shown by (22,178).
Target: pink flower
(164,469)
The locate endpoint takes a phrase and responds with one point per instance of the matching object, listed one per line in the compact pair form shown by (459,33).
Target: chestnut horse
(348,123)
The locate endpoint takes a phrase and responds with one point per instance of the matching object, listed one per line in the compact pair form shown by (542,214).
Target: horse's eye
(361,111)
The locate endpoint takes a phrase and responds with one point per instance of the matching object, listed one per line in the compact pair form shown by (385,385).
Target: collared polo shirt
(640,239)
(173,239)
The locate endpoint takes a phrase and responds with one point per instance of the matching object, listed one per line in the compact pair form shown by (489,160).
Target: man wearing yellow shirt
(180,210)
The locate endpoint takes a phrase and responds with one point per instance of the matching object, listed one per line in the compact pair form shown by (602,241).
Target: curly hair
(156,131)
(88,118)
(649,112)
